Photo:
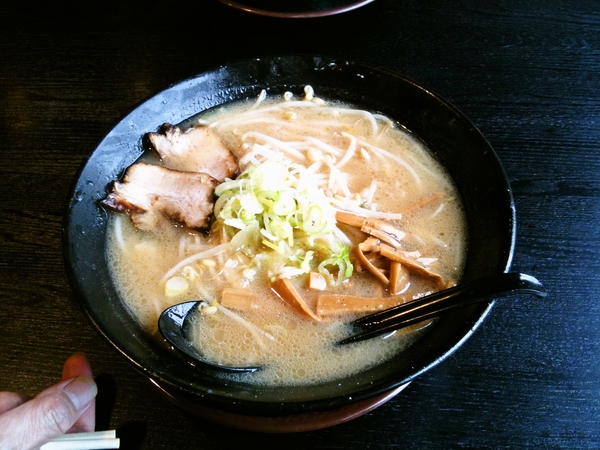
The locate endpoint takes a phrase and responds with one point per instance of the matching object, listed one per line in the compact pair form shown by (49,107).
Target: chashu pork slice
(149,192)
(197,149)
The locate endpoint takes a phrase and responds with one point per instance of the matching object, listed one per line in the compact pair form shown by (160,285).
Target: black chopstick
(481,290)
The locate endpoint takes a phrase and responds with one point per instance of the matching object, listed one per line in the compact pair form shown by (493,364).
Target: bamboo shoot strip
(378,228)
(330,304)
(239,299)
(367,264)
(286,290)
(398,278)
(399,256)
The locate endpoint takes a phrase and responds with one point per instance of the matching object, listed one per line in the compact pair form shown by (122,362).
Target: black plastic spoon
(173,323)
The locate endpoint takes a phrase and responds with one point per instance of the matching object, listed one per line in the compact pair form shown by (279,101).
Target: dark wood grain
(527,73)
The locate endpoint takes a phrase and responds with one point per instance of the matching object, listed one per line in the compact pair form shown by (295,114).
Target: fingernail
(81,391)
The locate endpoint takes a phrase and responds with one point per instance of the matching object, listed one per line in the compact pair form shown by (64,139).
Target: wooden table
(527,73)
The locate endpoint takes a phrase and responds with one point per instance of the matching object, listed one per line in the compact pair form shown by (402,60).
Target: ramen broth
(360,162)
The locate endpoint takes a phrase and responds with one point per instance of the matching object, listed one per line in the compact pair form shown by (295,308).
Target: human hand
(68,406)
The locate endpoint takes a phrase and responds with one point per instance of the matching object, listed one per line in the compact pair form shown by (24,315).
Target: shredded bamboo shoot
(398,278)
(239,299)
(287,292)
(367,264)
(329,305)
(401,257)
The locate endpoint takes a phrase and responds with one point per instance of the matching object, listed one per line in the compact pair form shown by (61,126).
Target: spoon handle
(440,302)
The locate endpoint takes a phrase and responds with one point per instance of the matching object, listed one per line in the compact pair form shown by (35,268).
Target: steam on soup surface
(333,212)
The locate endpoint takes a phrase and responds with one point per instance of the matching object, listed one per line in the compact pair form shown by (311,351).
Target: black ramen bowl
(296,9)
(447,133)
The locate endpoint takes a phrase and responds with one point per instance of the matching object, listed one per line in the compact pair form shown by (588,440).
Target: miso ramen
(307,214)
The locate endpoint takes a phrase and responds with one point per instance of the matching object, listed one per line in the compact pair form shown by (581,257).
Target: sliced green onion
(176,286)
(277,206)
(271,245)
(315,221)
(282,229)
(250,207)
(305,266)
(268,198)
(285,204)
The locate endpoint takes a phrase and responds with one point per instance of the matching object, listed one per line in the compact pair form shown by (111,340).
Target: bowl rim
(283,12)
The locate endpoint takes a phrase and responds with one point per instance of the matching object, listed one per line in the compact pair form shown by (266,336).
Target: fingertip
(77,365)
